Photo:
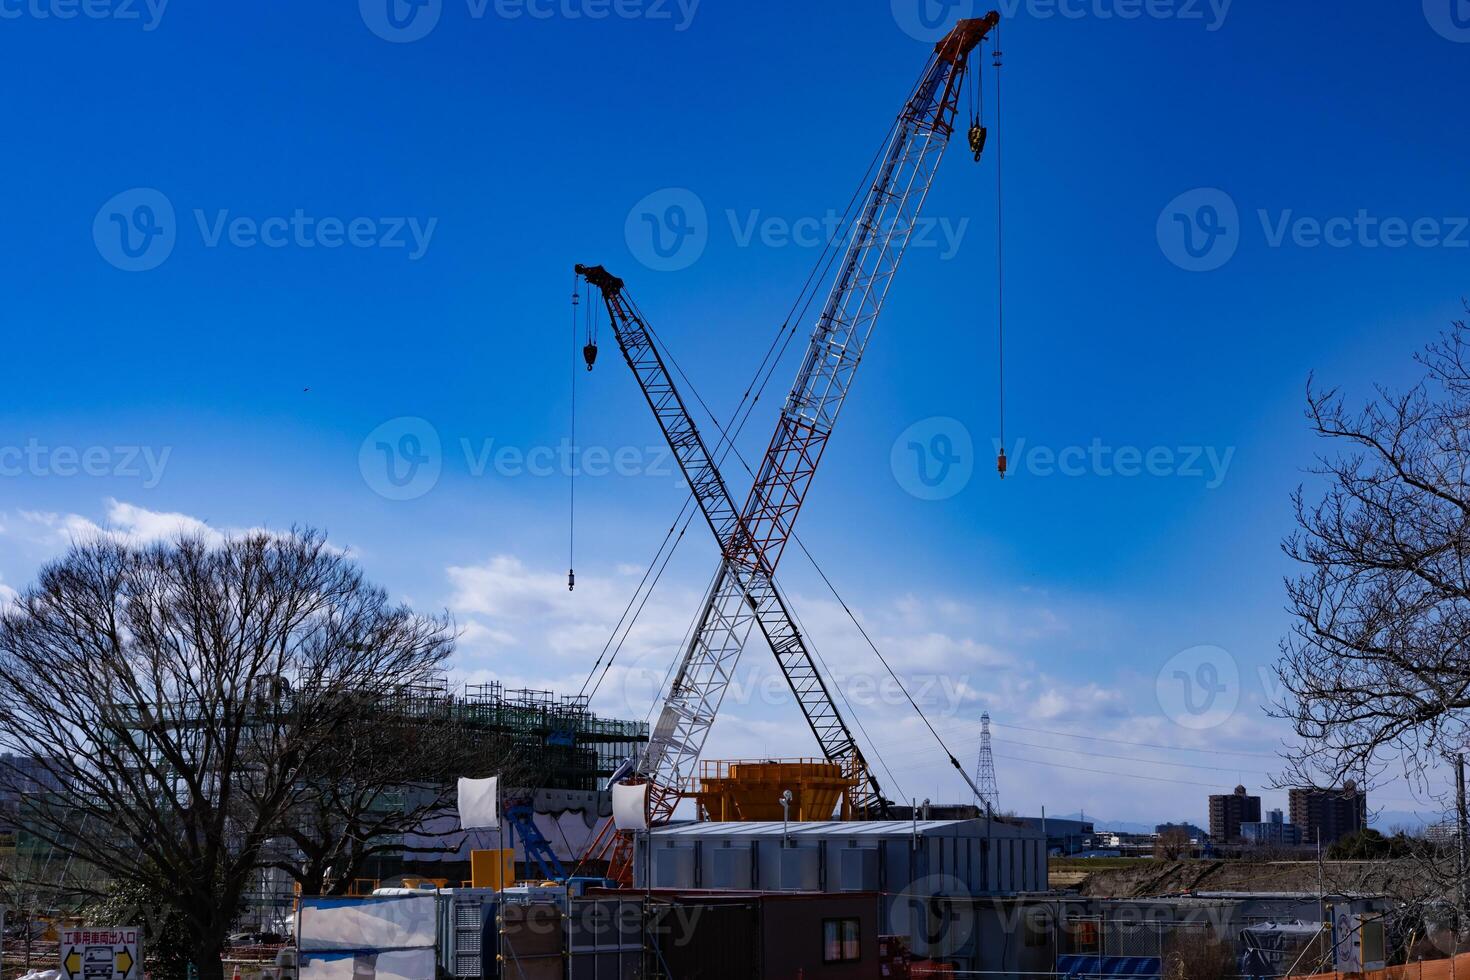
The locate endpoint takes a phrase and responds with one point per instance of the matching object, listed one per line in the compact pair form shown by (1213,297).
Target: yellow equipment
(494,868)
(748,790)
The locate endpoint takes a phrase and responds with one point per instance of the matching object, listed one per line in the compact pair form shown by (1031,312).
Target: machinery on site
(752,538)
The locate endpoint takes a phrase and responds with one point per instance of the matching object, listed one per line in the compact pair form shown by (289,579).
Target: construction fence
(1451,968)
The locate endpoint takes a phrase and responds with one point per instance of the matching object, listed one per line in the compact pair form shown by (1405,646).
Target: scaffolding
(553,742)
(563,744)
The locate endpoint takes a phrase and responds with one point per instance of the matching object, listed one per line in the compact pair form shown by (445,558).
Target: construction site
(681,866)
(781,867)
(546,840)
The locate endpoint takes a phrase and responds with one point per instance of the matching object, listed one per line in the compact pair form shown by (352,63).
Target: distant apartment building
(1064,837)
(1274,831)
(1327,815)
(1194,833)
(1228,812)
(21,777)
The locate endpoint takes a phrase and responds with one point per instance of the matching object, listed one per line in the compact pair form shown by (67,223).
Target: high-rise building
(1327,815)
(1228,812)
(1274,831)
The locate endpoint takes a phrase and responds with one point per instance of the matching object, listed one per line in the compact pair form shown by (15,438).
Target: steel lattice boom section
(741,596)
(673,417)
(752,541)
(880,237)
(878,241)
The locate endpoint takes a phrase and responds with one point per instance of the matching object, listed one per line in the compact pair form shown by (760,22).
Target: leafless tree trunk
(177,695)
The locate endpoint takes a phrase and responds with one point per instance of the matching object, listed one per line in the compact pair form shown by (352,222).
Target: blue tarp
(1109,966)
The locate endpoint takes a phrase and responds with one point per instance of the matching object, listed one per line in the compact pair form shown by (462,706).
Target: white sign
(98,953)
(1347,943)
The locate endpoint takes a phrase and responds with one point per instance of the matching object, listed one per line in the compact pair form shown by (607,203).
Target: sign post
(96,953)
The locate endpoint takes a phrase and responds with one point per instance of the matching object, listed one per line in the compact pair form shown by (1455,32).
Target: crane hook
(589,354)
(571,580)
(978,135)
(1002,464)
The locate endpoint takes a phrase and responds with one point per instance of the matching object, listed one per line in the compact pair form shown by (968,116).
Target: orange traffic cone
(236,974)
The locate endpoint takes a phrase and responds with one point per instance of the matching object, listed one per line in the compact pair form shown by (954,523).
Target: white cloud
(124,521)
(955,656)
(1031,659)
(141,524)
(56,530)
(1076,704)
(523,627)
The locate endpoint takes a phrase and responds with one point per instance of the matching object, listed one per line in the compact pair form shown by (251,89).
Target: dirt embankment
(1149,878)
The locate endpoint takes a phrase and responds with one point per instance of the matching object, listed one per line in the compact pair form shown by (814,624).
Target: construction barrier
(1456,968)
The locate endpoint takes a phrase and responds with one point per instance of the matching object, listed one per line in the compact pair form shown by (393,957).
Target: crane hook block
(978,135)
(1002,464)
(589,354)
(571,580)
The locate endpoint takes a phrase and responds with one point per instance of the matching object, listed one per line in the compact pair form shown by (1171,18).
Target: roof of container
(846,828)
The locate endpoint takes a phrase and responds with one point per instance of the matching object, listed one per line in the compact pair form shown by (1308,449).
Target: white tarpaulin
(397,964)
(479,803)
(630,806)
(367,924)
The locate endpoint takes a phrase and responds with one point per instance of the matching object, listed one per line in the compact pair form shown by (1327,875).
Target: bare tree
(1194,957)
(390,775)
(1376,669)
(1172,844)
(177,694)
(36,884)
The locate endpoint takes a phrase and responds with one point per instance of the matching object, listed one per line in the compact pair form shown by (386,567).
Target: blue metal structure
(1109,967)
(538,848)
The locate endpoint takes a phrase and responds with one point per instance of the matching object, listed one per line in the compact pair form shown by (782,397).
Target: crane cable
(795,316)
(745,465)
(1000,304)
(778,347)
(572,471)
(881,659)
(1000,266)
(727,443)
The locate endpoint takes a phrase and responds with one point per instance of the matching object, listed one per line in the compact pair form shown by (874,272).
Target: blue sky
(422,201)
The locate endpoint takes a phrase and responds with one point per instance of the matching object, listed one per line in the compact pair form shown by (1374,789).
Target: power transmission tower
(985,769)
